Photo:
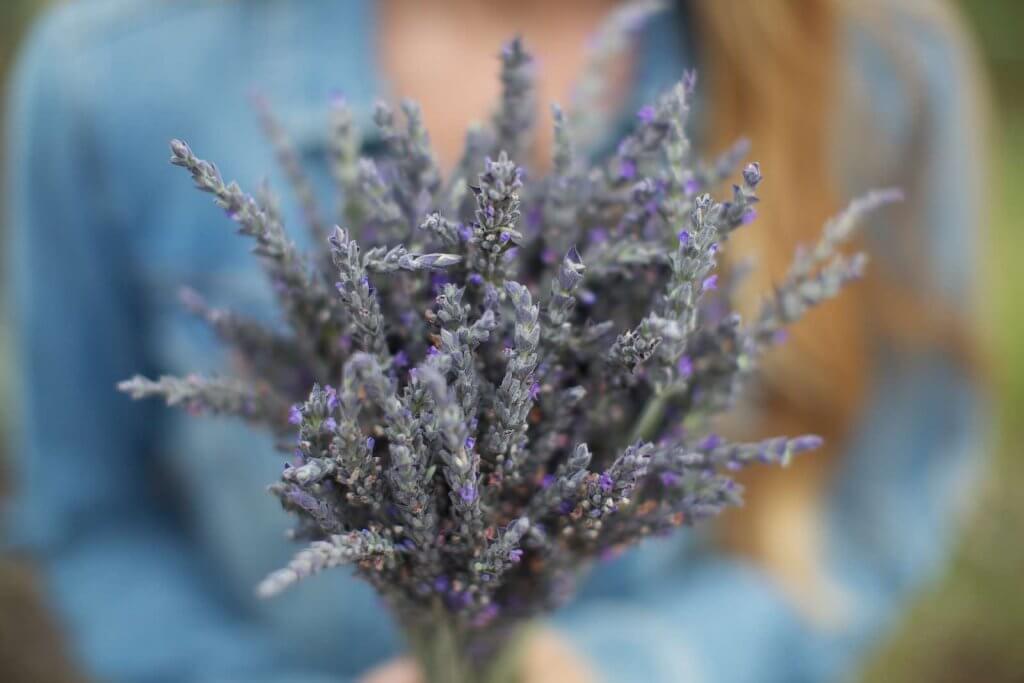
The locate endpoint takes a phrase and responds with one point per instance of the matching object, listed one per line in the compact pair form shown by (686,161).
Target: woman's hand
(548,659)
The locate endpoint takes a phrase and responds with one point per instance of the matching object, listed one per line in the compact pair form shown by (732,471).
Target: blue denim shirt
(152,528)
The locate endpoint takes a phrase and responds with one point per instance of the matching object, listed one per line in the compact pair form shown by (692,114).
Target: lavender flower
(483,407)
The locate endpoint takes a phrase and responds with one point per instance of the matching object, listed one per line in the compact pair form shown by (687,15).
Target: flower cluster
(492,379)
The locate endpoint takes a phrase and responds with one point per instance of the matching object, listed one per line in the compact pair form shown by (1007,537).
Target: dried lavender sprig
(213,395)
(514,118)
(496,229)
(457,451)
(344,146)
(260,347)
(409,472)
(342,549)
(839,230)
(288,160)
(357,293)
(417,176)
(304,297)
(590,111)
(384,260)
(516,393)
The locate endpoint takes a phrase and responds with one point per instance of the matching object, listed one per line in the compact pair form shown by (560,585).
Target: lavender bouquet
(489,380)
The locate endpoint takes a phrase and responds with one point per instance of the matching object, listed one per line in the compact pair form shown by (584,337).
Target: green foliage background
(968,626)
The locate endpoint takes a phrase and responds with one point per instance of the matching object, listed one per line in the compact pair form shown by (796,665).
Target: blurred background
(969,622)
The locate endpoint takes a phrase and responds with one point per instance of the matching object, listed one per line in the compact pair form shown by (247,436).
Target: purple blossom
(808,442)
(710,442)
(332,397)
(432,520)
(669,478)
(627,168)
(467,493)
(748,216)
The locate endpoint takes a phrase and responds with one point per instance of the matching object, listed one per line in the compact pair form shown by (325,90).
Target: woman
(155,585)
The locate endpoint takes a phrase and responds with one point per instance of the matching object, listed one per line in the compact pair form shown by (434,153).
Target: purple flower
(486,616)
(780,337)
(684,238)
(547,481)
(710,283)
(330,424)
(470,442)
(627,169)
(467,493)
(646,113)
(748,216)
(332,397)
(752,174)
(295,415)
(515,555)
(370,443)
(441,584)
(685,366)
(534,391)
(588,297)
(549,255)
(606,482)
(710,442)
(598,236)
(476,279)
(669,478)
(691,186)
(808,442)
(401,359)
(504,237)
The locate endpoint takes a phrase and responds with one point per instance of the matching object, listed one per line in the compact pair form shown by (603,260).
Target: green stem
(652,417)
(442,650)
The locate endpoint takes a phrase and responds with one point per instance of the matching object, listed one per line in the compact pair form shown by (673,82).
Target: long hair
(773,69)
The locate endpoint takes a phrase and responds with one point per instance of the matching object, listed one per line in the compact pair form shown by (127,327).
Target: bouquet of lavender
(511,376)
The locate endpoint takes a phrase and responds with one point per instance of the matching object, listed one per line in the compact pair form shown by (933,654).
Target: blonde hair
(772,70)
